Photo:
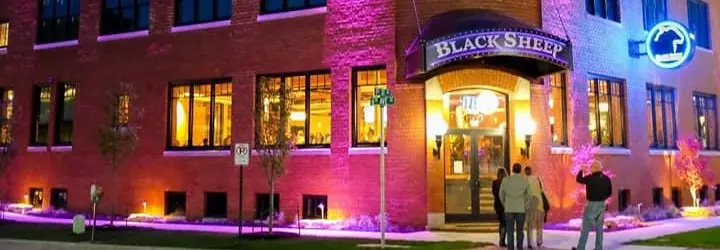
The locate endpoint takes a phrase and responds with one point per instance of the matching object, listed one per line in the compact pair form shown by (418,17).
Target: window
(121,16)
(274,6)
(660,105)
(607,112)
(58,21)
(58,198)
(310,122)
(315,207)
(557,104)
(608,9)
(717,193)
(699,22)
(35,197)
(123,110)
(706,119)
(175,203)
(657,196)
(262,205)
(676,198)
(623,199)
(202,11)
(366,129)
(654,12)
(6,115)
(4,31)
(41,115)
(64,114)
(200,114)
(215,205)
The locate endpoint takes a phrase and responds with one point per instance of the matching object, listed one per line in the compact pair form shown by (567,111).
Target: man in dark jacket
(598,188)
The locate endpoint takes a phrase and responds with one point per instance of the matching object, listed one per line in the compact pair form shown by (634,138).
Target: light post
(382,98)
(526,127)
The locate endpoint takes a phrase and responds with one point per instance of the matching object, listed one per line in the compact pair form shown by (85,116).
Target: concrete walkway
(553,239)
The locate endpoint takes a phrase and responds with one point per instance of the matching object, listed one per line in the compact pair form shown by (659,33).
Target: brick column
(89,30)
(161,16)
(539,111)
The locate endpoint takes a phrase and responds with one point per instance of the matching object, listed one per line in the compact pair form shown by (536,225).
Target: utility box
(79,224)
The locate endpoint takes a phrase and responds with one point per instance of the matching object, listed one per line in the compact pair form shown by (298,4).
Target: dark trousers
(502,229)
(515,223)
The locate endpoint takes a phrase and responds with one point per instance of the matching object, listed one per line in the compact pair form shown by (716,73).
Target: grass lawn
(705,238)
(149,237)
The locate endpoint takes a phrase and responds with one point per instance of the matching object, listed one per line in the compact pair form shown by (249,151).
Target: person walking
(536,209)
(499,209)
(598,188)
(514,194)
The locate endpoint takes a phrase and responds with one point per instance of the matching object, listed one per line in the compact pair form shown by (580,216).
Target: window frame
(4,119)
(136,9)
(646,18)
(285,8)
(652,88)
(36,103)
(196,14)
(623,98)
(60,112)
(697,95)
(707,21)
(307,75)
(70,33)
(354,87)
(592,9)
(306,198)
(563,91)
(191,84)
(658,194)
(7,35)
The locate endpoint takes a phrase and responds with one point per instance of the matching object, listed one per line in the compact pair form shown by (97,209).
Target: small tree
(691,168)
(8,144)
(273,136)
(117,135)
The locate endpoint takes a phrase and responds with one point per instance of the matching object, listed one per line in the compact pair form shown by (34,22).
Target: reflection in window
(310,107)
(200,114)
(4,31)
(477,109)
(120,16)
(202,11)
(6,114)
(367,117)
(557,104)
(706,119)
(661,116)
(59,21)
(64,114)
(275,6)
(607,112)
(41,115)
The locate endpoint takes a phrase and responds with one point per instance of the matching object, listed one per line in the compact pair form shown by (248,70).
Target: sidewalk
(553,239)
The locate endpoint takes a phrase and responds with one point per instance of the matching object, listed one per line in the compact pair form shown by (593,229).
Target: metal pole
(240,205)
(382,176)
(92,234)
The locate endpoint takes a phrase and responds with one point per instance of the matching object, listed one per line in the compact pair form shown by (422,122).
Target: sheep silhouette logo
(669,45)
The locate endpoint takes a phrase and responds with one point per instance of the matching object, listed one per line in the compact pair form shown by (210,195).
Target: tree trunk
(113,200)
(693,194)
(272,205)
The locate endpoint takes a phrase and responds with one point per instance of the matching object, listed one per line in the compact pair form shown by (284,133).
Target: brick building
(195,66)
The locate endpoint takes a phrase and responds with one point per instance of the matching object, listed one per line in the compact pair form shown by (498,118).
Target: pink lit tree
(118,134)
(691,168)
(274,139)
(582,158)
(8,144)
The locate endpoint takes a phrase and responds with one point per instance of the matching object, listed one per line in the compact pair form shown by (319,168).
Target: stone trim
(61,148)
(37,149)
(56,45)
(613,151)
(126,35)
(200,26)
(366,151)
(292,14)
(561,150)
(196,153)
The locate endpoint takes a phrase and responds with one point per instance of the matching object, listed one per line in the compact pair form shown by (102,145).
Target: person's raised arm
(580,178)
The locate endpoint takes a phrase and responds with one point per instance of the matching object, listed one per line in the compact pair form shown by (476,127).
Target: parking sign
(242,154)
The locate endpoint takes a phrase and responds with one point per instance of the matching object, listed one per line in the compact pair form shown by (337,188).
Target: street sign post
(241,156)
(96,194)
(382,98)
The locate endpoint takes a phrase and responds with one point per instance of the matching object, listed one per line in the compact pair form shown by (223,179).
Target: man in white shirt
(535,212)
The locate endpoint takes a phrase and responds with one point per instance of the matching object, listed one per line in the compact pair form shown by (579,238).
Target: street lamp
(526,126)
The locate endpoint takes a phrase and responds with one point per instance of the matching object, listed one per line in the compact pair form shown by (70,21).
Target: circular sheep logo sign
(669,45)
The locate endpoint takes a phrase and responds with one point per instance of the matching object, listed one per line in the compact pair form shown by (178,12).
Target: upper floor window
(706,119)
(200,114)
(699,22)
(654,12)
(310,123)
(558,109)
(202,11)
(607,111)
(4,31)
(366,124)
(41,115)
(121,16)
(275,6)
(123,110)
(6,115)
(59,21)
(608,9)
(64,114)
(660,106)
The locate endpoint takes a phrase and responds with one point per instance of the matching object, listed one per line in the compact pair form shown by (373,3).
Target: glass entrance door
(472,158)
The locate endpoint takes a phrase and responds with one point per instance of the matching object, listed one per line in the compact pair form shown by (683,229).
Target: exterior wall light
(526,126)
(438,128)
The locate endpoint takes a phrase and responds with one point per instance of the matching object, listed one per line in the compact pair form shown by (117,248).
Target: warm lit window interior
(201,114)
(4,30)
(706,119)
(367,117)
(660,105)
(477,109)
(41,112)
(65,114)
(607,112)
(556,102)
(123,110)
(6,107)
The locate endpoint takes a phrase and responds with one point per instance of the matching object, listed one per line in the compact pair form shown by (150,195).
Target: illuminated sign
(497,43)
(669,45)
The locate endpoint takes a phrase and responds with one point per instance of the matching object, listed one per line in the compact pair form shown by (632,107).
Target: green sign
(382,97)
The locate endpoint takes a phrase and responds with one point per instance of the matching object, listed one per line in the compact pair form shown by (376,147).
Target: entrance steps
(475,227)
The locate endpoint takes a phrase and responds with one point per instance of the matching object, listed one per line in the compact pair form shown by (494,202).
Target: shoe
(539,244)
(574,248)
(530,247)
(503,245)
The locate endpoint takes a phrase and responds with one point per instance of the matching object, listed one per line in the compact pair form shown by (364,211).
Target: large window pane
(706,119)
(222,123)
(298,113)
(607,112)
(194,11)
(367,117)
(556,102)
(274,6)
(201,114)
(608,9)
(320,100)
(4,31)
(58,21)
(661,113)
(699,22)
(41,110)
(180,122)
(64,115)
(6,116)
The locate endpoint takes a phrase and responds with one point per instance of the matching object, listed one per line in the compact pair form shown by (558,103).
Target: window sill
(613,151)
(710,153)
(366,151)
(45,46)
(300,151)
(196,153)
(61,148)
(37,149)
(292,14)
(120,36)
(663,151)
(3,51)
(561,150)
(200,26)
